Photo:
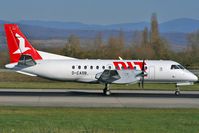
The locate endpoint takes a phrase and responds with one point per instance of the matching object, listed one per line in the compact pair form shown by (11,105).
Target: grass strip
(98,120)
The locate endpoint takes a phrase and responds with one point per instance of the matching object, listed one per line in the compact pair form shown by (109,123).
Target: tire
(108,93)
(177,93)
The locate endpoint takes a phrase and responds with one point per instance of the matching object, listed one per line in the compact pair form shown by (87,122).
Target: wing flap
(119,76)
(108,76)
(128,76)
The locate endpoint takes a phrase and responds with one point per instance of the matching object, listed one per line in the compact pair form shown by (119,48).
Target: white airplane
(27,60)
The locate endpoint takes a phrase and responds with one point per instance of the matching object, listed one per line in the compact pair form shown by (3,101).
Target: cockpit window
(177,67)
(174,67)
(181,67)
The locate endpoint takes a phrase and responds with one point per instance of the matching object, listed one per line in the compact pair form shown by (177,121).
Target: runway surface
(95,98)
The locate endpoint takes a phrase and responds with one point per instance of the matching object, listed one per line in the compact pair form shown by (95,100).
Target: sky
(98,11)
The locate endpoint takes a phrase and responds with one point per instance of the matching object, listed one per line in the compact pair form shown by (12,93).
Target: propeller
(142,75)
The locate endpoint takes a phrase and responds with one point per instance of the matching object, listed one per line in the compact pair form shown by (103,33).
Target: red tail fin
(18,44)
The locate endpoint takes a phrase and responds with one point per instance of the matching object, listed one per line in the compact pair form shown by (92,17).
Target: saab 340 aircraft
(27,60)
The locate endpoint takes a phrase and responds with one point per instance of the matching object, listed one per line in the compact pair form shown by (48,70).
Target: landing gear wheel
(177,93)
(106,90)
(107,93)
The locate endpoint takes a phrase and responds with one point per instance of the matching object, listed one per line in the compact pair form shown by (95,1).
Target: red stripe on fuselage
(128,65)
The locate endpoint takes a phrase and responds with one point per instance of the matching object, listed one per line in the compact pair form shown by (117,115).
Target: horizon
(98,12)
(94,23)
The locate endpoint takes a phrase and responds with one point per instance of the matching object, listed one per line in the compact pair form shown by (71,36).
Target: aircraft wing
(119,76)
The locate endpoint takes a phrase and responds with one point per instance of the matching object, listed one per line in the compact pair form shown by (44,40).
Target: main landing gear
(106,90)
(177,92)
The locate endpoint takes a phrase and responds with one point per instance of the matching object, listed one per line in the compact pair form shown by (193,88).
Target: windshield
(181,67)
(177,67)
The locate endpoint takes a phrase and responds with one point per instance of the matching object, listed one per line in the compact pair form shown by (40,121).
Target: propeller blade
(143,69)
(143,83)
(143,65)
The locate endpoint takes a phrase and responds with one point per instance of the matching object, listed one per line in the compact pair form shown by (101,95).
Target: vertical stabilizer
(18,44)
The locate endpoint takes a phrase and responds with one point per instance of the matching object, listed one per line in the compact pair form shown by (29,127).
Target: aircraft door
(151,72)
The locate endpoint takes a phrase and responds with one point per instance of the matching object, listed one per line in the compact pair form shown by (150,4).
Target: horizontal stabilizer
(26,60)
(25,73)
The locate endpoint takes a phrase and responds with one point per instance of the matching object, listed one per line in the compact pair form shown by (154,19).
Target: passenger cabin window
(73,67)
(79,67)
(91,67)
(97,67)
(109,67)
(85,67)
(103,67)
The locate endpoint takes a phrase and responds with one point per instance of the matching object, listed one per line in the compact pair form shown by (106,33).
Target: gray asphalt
(95,98)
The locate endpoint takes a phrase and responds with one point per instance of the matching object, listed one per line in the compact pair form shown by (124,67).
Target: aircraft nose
(194,78)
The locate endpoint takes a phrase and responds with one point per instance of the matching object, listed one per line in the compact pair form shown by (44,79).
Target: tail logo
(22,47)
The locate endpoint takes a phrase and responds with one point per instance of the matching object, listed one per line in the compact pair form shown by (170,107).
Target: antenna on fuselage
(120,58)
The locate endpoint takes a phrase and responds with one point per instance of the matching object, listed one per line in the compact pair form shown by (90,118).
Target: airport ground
(23,119)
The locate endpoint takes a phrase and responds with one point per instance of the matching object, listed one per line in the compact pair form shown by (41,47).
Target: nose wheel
(106,90)
(177,92)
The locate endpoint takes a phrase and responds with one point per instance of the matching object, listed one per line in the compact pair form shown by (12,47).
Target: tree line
(150,45)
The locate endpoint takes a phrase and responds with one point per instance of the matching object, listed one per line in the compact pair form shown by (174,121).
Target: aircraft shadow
(96,94)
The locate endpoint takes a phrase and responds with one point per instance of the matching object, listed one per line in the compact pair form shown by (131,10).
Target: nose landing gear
(177,91)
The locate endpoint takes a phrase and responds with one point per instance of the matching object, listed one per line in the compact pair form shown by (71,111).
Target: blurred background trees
(146,44)
(149,45)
